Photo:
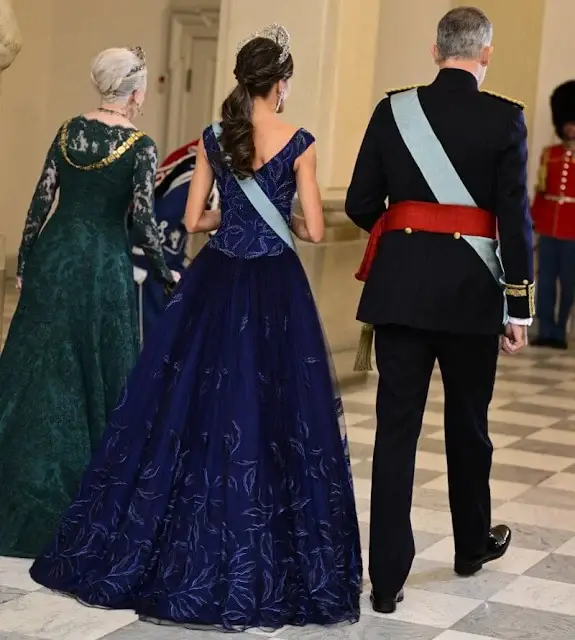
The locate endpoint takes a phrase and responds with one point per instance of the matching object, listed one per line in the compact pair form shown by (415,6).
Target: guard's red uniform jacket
(553,209)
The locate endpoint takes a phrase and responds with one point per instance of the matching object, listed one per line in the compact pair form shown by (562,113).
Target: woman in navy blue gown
(221,493)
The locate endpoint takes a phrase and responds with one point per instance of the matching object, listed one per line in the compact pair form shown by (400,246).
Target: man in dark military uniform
(451,162)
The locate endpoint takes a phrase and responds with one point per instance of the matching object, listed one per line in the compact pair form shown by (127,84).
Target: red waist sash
(431,217)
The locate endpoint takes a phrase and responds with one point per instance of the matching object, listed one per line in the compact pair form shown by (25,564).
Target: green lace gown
(73,339)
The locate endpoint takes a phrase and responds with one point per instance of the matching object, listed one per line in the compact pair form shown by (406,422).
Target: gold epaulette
(517,103)
(390,92)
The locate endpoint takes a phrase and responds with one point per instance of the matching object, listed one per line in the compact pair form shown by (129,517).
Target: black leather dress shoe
(497,545)
(385,605)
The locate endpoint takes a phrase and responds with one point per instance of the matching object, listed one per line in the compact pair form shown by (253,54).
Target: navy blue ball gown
(221,493)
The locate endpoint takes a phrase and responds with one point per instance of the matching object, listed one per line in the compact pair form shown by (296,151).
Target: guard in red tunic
(553,213)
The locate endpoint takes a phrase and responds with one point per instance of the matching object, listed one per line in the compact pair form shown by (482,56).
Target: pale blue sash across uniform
(261,203)
(439,172)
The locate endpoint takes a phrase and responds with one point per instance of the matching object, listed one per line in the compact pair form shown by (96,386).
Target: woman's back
(243,232)
(96,165)
(105,175)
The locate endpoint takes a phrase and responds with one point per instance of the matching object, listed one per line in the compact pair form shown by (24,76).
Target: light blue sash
(261,203)
(439,172)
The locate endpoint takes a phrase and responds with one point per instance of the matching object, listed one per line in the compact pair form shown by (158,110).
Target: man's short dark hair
(462,33)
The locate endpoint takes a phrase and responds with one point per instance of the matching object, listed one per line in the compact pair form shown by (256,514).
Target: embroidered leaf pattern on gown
(221,494)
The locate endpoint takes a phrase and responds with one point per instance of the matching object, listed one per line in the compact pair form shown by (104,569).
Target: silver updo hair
(117,73)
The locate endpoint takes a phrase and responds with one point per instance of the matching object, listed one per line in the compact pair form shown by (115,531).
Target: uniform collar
(456,80)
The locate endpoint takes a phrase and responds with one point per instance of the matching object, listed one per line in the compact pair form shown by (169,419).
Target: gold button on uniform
(525,281)
(457,235)
(408,230)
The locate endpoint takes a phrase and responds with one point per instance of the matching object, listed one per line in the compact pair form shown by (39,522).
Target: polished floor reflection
(527,595)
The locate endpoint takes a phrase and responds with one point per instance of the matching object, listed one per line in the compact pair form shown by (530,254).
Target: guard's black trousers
(405,359)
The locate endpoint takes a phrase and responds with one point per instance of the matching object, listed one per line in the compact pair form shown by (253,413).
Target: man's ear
(486,55)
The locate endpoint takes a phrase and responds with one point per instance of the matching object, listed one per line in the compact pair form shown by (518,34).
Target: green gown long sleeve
(74,338)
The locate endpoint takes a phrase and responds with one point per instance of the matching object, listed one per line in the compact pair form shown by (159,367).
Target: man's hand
(515,339)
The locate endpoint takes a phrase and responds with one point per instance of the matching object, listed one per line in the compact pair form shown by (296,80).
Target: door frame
(203,19)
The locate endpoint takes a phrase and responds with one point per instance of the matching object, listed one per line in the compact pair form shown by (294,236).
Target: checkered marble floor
(529,594)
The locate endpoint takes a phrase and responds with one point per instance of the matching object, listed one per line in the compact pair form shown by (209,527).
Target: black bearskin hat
(563,106)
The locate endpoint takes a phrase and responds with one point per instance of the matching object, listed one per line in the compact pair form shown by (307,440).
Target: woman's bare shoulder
(287,128)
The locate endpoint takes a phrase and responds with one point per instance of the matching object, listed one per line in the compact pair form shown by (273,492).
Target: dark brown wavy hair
(257,70)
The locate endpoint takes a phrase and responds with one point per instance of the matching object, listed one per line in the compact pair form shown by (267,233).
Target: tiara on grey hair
(276,33)
(141,64)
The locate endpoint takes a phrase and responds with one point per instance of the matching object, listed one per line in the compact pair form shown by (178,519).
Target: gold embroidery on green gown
(73,339)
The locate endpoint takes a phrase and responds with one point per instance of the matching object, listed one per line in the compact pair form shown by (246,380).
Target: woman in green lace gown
(74,339)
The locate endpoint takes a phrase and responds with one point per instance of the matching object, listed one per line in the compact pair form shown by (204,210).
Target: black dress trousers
(405,359)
